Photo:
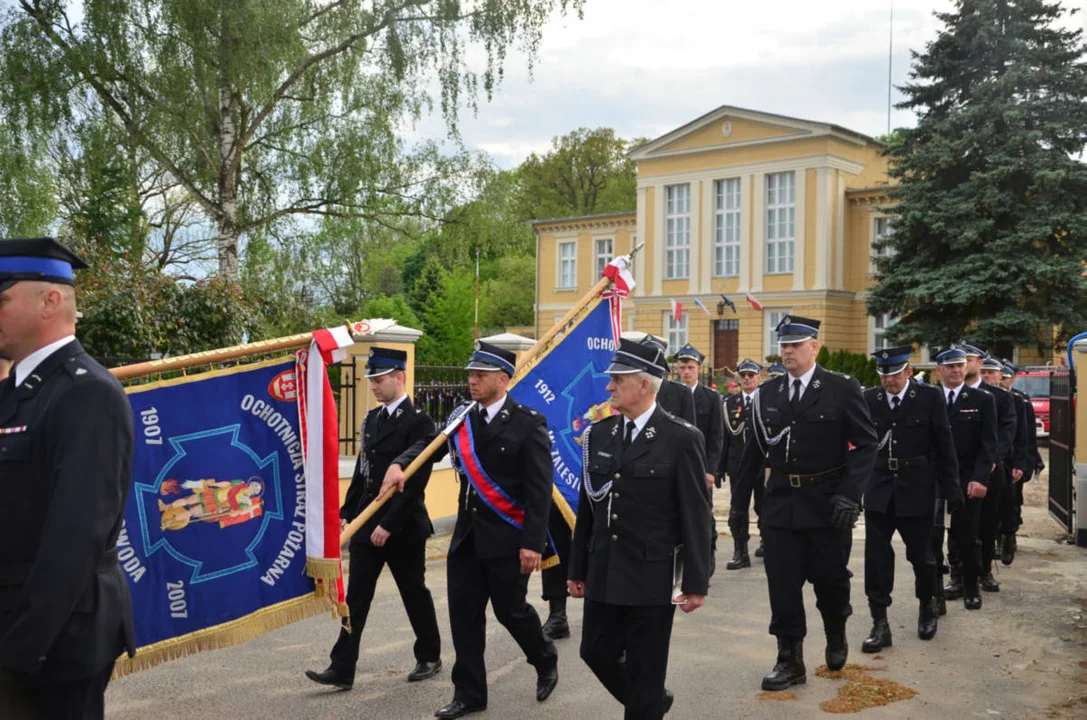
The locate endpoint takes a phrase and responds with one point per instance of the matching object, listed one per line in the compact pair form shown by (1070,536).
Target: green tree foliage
(990,231)
(858,365)
(264,110)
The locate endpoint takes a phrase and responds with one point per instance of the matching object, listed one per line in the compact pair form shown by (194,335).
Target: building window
(676,331)
(604,254)
(773,317)
(780,221)
(726,239)
(567,264)
(881,229)
(677,232)
(880,325)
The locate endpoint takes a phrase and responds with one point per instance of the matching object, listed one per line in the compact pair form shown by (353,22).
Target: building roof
(580,218)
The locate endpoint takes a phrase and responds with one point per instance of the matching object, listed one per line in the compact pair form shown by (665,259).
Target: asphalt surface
(1023,655)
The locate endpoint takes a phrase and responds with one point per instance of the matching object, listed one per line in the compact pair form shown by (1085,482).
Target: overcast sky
(645,67)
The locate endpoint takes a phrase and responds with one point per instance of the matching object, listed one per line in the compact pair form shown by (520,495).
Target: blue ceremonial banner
(214,537)
(567,384)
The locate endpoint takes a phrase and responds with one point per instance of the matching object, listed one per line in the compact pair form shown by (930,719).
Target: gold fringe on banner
(222,636)
(550,562)
(323,568)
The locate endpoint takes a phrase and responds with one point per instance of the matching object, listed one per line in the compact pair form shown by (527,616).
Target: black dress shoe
(328,677)
(940,605)
(458,709)
(1007,550)
(989,583)
(971,598)
(926,620)
(546,682)
(879,637)
(953,589)
(424,670)
(669,698)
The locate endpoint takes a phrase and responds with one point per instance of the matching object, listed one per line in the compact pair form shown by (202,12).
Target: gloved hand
(844,512)
(717,482)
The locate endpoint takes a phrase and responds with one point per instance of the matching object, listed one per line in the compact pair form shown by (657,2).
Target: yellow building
(739,203)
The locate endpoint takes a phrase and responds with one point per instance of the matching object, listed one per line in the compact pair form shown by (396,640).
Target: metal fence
(1062,435)
(439,389)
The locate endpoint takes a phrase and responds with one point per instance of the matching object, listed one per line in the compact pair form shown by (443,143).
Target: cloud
(645,67)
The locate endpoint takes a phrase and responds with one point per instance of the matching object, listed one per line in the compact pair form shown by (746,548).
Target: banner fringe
(550,562)
(222,636)
(323,568)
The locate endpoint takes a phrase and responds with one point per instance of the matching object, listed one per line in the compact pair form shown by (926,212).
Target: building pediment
(731,127)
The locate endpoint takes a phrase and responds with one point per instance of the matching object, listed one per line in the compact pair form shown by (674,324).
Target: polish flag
(753,302)
(677,310)
(321,460)
(618,270)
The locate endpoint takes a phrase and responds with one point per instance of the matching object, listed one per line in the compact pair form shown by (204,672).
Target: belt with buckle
(895,464)
(799,481)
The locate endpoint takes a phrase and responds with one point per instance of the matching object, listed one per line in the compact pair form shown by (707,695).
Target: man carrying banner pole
(396,535)
(502,452)
(67,444)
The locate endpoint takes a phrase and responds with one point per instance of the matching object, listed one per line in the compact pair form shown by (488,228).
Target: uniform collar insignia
(913,393)
(399,410)
(781,387)
(650,432)
(815,384)
(614,430)
(505,414)
(880,396)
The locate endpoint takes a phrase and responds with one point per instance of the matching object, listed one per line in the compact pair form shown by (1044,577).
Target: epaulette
(75,368)
(680,421)
(528,410)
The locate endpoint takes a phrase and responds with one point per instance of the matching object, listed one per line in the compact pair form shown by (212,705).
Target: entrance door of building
(726,344)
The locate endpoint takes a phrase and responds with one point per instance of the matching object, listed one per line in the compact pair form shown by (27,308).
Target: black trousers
(472,582)
(879,556)
(794,556)
(26,697)
(641,635)
(554,579)
(990,516)
(1011,507)
(407,563)
(964,534)
(739,515)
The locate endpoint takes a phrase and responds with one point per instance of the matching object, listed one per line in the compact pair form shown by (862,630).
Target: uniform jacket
(917,432)
(676,399)
(405,514)
(66,470)
(624,545)
(1005,420)
(709,420)
(514,450)
(831,417)
(1025,456)
(737,434)
(974,429)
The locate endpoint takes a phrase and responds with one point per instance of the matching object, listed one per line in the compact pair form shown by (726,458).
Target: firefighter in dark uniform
(493,552)
(708,410)
(915,456)
(396,535)
(972,413)
(673,396)
(738,433)
(816,439)
(1026,463)
(999,482)
(66,447)
(641,541)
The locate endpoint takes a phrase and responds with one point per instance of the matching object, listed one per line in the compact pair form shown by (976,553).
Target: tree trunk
(227,220)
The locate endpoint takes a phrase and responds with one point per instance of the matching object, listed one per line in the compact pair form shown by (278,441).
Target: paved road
(1023,655)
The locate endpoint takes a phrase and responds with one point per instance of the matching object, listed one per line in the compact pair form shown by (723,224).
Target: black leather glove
(717,482)
(844,512)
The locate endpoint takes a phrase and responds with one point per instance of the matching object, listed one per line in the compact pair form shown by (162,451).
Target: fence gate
(1062,433)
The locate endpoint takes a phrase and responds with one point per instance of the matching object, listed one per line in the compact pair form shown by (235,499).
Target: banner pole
(289,342)
(541,344)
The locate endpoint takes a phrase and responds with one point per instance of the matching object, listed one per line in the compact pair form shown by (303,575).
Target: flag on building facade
(755,304)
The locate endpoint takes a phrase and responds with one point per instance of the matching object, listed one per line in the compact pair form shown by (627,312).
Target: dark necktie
(796,393)
(628,436)
(894,402)
(483,415)
(382,416)
(950,402)
(747,404)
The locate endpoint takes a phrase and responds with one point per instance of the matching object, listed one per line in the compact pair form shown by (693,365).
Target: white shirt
(28,364)
(639,422)
(746,398)
(493,408)
(901,396)
(804,380)
(976,385)
(390,408)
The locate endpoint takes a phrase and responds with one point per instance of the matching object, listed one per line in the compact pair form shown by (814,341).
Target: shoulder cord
(596,495)
(733,430)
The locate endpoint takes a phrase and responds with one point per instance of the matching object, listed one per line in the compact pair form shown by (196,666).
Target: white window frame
(677,232)
(675,332)
(567,280)
(780,222)
(878,326)
(773,317)
(876,235)
(603,257)
(728,201)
